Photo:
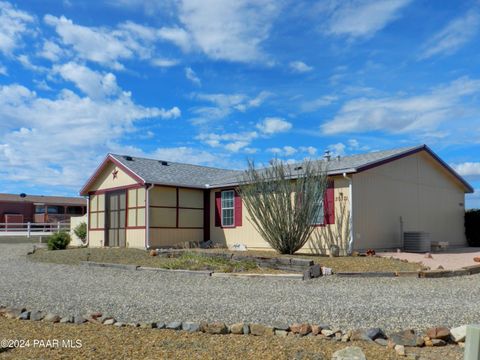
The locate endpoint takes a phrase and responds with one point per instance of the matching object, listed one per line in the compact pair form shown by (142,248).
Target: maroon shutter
(329,203)
(218,209)
(238,209)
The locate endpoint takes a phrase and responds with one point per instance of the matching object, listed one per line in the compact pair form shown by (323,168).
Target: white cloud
(227,30)
(64,135)
(92,83)
(273,125)
(468,169)
(310,150)
(186,155)
(105,46)
(164,63)
(299,67)
(337,149)
(3,70)
(360,18)
(457,33)
(290,150)
(14,24)
(313,105)
(178,36)
(225,104)
(232,142)
(401,114)
(190,75)
(52,51)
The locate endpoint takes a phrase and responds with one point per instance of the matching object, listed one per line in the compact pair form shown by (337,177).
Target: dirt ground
(91,341)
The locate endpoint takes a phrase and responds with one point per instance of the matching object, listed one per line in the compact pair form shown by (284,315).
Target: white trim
(350,194)
(147,215)
(221,209)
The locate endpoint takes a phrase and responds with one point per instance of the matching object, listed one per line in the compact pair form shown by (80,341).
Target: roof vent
(338,157)
(327,155)
(164,163)
(297,168)
(128,158)
(23,195)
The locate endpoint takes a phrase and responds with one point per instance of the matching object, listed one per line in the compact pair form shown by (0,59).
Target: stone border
(425,274)
(399,340)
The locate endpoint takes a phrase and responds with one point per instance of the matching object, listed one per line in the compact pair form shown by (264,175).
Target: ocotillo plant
(284,200)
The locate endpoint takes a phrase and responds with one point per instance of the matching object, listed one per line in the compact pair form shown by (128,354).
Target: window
(228,201)
(39,209)
(55,209)
(320,216)
(75,210)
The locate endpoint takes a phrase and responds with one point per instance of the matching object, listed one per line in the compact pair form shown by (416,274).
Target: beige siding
(190,198)
(136,238)
(190,218)
(96,238)
(105,180)
(163,196)
(246,234)
(163,217)
(415,188)
(174,237)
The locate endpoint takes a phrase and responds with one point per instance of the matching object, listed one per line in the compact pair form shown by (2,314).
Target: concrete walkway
(450,259)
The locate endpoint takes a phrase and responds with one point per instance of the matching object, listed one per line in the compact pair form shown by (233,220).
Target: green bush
(58,241)
(81,231)
(472,227)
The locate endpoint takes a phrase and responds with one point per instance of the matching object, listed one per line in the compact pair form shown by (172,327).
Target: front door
(115,216)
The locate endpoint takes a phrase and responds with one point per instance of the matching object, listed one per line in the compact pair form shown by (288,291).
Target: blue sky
(215,82)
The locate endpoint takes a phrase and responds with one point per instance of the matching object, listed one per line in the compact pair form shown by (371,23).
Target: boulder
(281,326)
(381,342)
(316,329)
(36,315)
(94,315)
(459,333)
(407,338)
(174,325)
(360,335)
(237,328)
(79,319)
(13,313)
(400,350)
(438,333)
(53,318)
(281,333)
(109,321)
(24,315)
(327,333)
(119,324)
(349,353)
(301,329)
(375,333)
(160,325)
(190,326)
(438,342)
(66,320)
(259,330)
(246,329)
(295,328)
(147,325)
(216,328)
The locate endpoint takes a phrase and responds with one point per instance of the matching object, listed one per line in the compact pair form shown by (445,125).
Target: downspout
(147,216)
(350,199)
(88,220)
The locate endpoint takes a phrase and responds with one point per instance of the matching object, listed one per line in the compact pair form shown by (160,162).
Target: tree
(284,201)
(81,231)
(327,237)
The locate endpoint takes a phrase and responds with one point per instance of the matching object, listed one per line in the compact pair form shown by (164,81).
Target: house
(39,208)
(147,203)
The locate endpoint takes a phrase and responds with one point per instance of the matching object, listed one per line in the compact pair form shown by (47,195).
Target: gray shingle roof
(178,174)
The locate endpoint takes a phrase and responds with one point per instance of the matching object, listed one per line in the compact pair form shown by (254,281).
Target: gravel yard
(390,303)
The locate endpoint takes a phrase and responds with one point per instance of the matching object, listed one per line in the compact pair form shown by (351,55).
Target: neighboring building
(39,209)
(144,203)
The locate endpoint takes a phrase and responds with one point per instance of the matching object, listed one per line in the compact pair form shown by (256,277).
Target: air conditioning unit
(417,241)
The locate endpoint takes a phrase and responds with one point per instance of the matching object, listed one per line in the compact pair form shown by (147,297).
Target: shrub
(81,231)
(472,227)
(58,241)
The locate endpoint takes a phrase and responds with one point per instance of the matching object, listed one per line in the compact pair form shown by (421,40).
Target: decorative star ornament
(115,173)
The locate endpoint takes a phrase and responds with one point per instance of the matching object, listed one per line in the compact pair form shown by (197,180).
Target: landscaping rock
(190,326)
(259,330)
(66,320)
(147,325)
(349,353)
(301,329)
(79,319)
(375,333)
(109,321)
(295,328)
(279,326)
(134,324)
(237,328)
(281,333)
(360,335)
(327,332)
(400,350)
(438,342)
(174,325)
(53,318)
(13,313)
(459,333)
(316,329)
(381,341)
(119,324)
(406,338)
(438,333)
(216,328)
(24,315)
(246,329)
(94,315)
(160,325)
(476,259)
(36,315)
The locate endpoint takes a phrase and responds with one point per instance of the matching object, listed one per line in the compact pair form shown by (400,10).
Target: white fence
(32,229)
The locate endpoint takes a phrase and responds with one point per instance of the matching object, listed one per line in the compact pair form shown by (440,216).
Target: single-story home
(147,203)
